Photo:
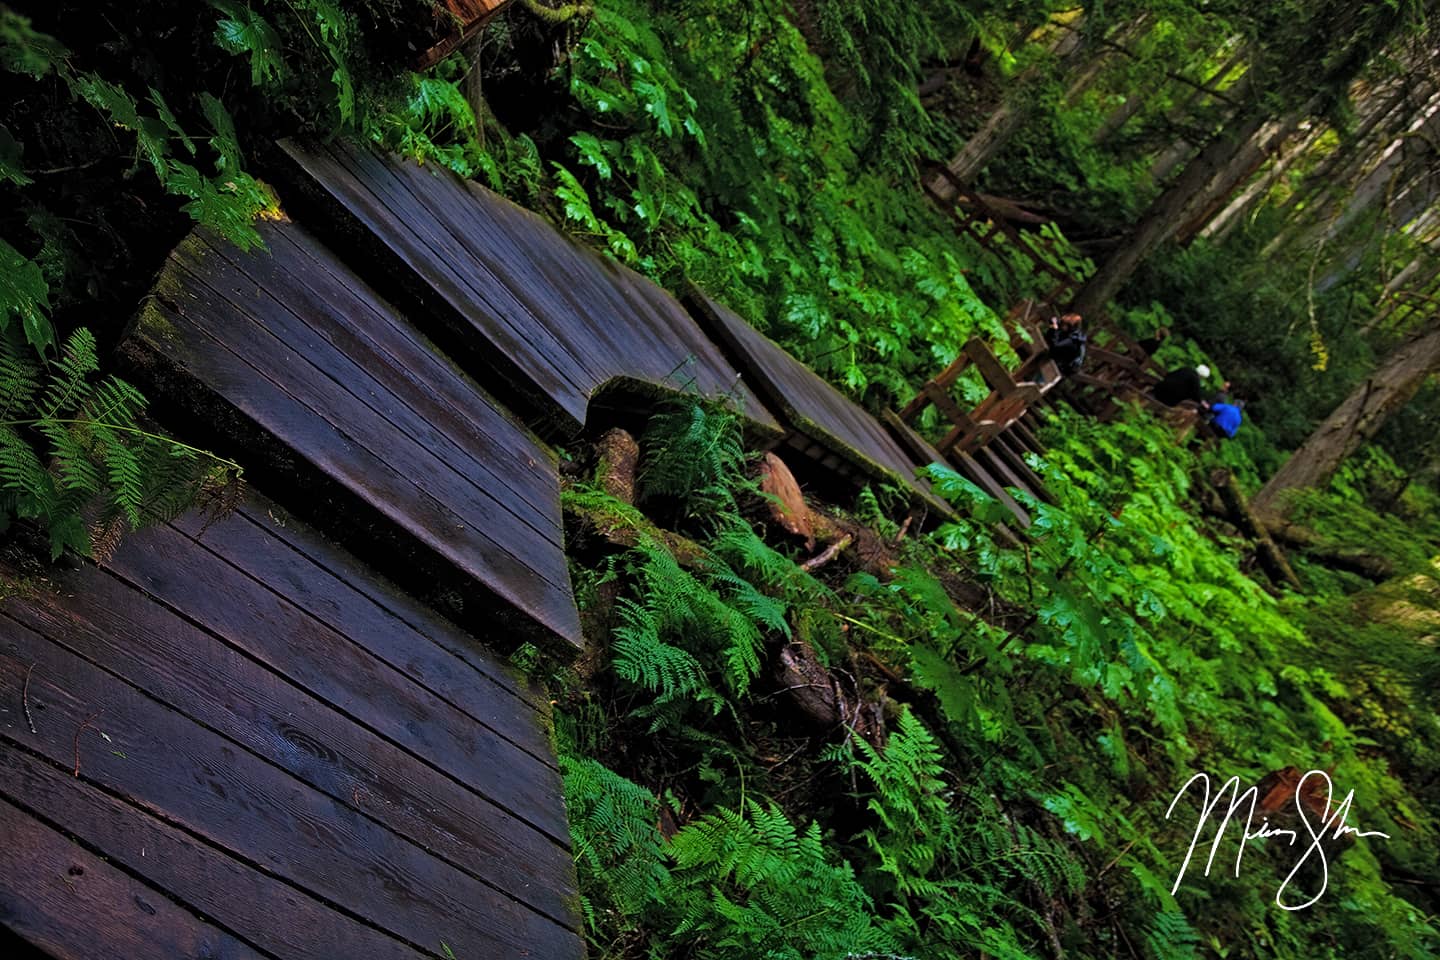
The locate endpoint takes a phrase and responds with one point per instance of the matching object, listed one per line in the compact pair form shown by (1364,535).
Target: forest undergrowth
(1018,805)
(1041,705)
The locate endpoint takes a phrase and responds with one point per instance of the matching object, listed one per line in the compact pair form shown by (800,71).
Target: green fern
(617,847)
(751,885)
(693,453)
(1171,937)
(103,467)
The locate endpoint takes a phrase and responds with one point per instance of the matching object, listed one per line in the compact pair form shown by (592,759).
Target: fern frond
(641,657)
(68,385)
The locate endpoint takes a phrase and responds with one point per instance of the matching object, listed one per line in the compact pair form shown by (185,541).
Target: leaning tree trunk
(1416,280)
(1001,125)
(1356,420)
(1201,180)
(1223,222)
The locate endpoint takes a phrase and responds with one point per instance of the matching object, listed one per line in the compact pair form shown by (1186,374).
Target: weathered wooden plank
(72,904)
(511,293)
(332,588)
(108,623)
(998,468)
(198,781)
(361,455)
(177,571)
(553,296)
(375,591)
(515,304)
(996,377)
(318,362)
(385,349)
(273,342)
(964,464)
(640,332)
(277,918)
(383,237)
(812,406)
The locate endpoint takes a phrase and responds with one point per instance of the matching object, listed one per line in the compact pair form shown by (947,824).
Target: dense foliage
(770,152)
(1019,806)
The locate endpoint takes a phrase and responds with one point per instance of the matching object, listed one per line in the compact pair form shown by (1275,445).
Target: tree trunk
(1397,167)
(1120,116)
(1346,164)
(1203,178)
(1271,557)
(1226,219)
(1417,278)
(1001,125)
(1180,150)
(1356,420)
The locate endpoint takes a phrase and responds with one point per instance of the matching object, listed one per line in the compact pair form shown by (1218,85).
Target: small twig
(79,730)
(68,169)
(904,528)
(1118,856)
(25,700)
(831,552)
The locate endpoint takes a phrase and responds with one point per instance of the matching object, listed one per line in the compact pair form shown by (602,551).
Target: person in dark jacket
(1186,383)
(1066,343)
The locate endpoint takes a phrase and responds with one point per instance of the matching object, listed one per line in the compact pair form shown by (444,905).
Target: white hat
(1204,371)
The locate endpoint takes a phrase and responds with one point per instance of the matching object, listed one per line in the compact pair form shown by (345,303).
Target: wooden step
(506,294)
(288,360)
(820,417)
(234,735)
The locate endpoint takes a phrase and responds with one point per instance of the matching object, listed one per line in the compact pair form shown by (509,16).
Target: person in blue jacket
(1225,419)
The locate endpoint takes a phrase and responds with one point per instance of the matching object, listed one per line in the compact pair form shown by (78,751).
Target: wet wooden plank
(965,465)
(812,406)
(203,783)
(507,292)
(329,585)
(335,383)
(179,867)
(156,651)
(390,351)
(338,671)
(75,906)
(520,306)
(375,417)
(429,284)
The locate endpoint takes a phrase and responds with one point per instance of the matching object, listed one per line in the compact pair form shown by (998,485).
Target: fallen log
(1237,504)
(827,700)
(1368,565)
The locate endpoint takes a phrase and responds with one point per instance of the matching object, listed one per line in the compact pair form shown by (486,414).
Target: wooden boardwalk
(237,742)
(333,393)
(504,291)
(825,425)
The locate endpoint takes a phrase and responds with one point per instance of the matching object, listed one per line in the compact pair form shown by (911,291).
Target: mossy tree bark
(1357,419)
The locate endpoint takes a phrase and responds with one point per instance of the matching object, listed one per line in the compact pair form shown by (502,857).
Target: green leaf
(595,152)
(24,293)
(10,164)
(162,110)
(576,200)
(69,531)
(224,141)
(25,50)
(243,30)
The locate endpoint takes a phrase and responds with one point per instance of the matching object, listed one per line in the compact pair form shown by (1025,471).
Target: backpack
(1078,341)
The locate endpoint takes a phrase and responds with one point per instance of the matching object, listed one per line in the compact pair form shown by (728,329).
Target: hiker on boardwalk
(1186,383)
(1225,419)
(1066,343)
